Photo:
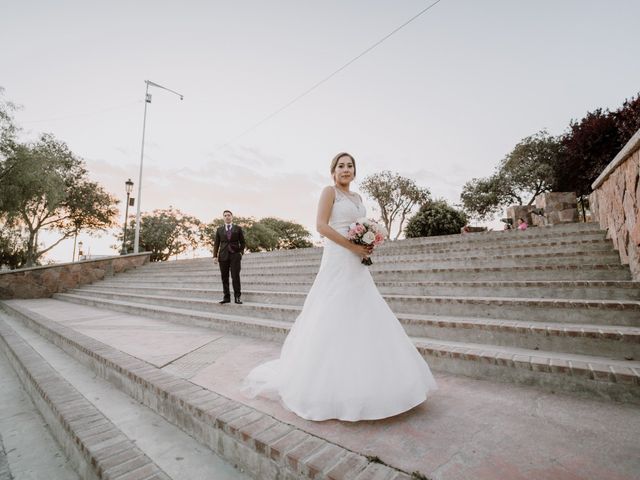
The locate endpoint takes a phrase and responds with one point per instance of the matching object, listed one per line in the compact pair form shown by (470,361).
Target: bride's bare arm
(325,205)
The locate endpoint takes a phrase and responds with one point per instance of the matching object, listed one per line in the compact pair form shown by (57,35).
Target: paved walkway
(468,429)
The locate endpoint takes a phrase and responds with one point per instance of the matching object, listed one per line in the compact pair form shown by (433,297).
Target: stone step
(419,261)
(592,339)
(95,446)
(263,446)
(27,448)
(406,274)
(413,261)
(495,248)
(554,233)
(488,251)
(533,258)
(148,430)
(288,292)
(559,234)
(579,374)
(593,312)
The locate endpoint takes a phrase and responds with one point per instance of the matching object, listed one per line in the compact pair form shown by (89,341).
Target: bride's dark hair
(334,162)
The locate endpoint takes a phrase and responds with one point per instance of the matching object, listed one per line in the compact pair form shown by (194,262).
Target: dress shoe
(238,301)
(224,300)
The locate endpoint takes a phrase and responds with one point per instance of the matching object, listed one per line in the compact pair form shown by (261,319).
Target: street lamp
(129,187)
(147,99)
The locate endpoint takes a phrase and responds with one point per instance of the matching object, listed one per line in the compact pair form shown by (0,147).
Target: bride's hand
(363,251)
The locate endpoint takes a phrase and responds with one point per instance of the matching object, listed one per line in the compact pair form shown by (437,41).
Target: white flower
(369,237)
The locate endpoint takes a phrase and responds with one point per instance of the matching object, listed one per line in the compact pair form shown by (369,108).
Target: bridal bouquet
(367,232)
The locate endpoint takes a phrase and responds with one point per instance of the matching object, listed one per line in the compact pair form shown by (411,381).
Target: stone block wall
(615,203)
(42,282)
(514,212)
(558,207)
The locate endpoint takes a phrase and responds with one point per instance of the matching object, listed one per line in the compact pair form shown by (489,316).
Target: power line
(328,77)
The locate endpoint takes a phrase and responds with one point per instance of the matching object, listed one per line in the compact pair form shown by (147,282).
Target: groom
(228,248)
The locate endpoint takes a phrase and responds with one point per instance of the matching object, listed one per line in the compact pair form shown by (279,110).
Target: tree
(396,196)
(45,187)
(89,208)
(524,173)
(435,218)
(484,197)
(628,119)
(8,129)
(290,234)
(164,233)
(591,144)
(258,236)
(528,169)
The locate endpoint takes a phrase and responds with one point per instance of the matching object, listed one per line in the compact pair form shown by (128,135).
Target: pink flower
(360,229)
(379,239)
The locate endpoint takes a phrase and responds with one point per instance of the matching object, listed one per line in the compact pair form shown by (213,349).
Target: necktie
(229,238)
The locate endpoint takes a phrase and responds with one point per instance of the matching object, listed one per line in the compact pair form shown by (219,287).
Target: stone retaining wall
(41,282)
(615,203)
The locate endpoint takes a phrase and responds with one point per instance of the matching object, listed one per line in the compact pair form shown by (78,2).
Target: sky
(441,101)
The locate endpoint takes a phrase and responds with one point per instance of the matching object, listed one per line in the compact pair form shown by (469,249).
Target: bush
(435,218)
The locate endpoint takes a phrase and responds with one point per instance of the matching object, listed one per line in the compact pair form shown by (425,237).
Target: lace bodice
(347,208)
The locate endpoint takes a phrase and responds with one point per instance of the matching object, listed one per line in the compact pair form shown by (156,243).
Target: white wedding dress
(346,357)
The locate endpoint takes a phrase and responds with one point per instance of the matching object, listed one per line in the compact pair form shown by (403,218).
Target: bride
(346,356)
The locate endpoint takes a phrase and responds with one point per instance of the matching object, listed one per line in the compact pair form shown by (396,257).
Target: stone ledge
(84,433)
(236,432)
(41,282)
(615,203)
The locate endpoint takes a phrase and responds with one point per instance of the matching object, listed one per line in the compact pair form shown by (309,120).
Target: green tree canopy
(482,198)
(527,171)
(257,237)
(164,233)
(395,195)
(290,234)
(260,237)
(266,234)
(8,130)
(46,187)
(435,218)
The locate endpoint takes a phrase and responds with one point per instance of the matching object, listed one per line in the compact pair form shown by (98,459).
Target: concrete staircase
(137,376)
(551,307)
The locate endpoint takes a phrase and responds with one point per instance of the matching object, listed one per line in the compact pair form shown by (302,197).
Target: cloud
(205,192)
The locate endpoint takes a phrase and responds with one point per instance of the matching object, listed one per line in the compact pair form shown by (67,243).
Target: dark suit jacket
(223,247)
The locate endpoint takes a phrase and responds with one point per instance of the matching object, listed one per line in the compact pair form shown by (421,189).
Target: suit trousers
(231,264)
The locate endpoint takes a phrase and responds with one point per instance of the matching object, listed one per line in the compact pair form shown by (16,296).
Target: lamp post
(147,99)
(129,187)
